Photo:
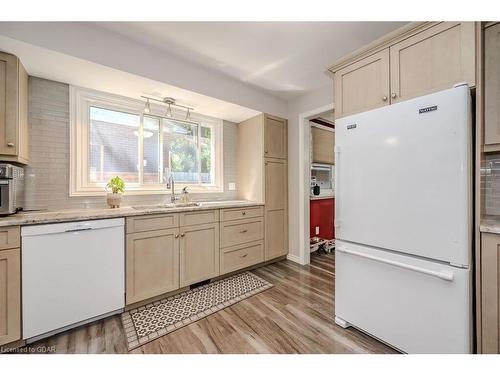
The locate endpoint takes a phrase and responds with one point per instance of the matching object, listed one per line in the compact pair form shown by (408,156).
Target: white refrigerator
(403,223)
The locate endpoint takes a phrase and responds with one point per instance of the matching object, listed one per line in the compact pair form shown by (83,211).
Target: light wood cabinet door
(10,296)
(490,292)
(363,85)
(433,60)
(199,253)
(276,236)
(323,143)
(13,109)
(275,137)
(152,264)
(276,184)
(276,213)
(492,86)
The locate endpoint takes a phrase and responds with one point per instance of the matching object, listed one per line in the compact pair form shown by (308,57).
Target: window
(112,137)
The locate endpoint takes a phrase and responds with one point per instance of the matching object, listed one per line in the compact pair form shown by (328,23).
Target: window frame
(81,99)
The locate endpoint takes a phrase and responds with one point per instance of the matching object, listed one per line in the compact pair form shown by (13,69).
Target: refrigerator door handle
(336,219)
(447,276)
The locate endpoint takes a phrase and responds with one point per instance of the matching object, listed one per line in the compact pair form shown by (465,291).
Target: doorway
(323,119)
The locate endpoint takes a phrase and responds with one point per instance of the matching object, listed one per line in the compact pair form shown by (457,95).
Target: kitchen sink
(167,205)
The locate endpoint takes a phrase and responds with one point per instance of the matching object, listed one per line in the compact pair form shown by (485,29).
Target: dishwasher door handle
(79,229)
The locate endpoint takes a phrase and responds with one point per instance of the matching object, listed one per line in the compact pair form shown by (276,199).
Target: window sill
(92,192)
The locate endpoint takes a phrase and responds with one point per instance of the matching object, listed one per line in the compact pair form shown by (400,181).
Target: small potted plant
(117,187)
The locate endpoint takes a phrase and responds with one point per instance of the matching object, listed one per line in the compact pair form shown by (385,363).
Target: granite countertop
(490,224)
(45,217)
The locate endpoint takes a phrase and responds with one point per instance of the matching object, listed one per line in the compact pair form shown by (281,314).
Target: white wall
(305,103)
(90,42)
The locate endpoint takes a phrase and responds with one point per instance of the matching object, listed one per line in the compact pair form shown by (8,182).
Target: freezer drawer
(413,304)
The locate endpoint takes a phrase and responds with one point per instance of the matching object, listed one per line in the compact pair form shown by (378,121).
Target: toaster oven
(11,189)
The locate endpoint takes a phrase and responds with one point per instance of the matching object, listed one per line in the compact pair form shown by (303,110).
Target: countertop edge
(61,216)
(490,224)
(319,197)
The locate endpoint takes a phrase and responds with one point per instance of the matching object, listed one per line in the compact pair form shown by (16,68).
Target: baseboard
(294,258)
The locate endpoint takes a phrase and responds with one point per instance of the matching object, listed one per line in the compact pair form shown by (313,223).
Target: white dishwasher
(72,273)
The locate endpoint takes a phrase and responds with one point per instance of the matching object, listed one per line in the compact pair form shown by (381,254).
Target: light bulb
(147,107)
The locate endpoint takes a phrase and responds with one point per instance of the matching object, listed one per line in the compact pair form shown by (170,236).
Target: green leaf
(116,185)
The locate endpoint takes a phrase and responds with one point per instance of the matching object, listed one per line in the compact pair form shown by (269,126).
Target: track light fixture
(170,102)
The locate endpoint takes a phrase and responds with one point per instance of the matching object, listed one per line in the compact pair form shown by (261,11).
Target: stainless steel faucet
(171,186)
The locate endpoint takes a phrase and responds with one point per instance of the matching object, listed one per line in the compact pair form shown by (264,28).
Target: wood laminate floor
(295,316)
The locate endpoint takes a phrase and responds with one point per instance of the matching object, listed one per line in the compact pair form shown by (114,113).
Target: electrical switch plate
(232,186)
(317,230)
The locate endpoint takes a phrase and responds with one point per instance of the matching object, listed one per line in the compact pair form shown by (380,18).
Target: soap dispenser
(184,195)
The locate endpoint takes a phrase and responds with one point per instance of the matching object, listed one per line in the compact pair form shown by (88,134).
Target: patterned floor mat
(149,322)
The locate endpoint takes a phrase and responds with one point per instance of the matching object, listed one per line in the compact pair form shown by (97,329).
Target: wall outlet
(232,186)
(316,229)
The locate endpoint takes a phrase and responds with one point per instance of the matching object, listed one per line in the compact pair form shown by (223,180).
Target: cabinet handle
(244,256)
(384,98)
(393,95)
(265,151)
(10,144)
(243,213)
(176,236)
(244,231)
(183,234)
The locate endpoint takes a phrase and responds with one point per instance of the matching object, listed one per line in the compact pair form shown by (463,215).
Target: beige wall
(47,176)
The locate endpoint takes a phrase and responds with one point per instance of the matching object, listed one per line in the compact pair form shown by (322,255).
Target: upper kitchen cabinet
(363,85)
(13,110)
(323,142)
(418,59)
(492,88)
(433,60)
(275,137)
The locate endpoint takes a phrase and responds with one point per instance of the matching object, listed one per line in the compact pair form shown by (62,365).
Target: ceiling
(284,58)
(49,64)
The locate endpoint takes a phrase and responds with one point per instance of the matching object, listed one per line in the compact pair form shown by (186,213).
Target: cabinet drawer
(238,257)
(9,237)
(152,222)
(241,231)
(241,213)
(198,217)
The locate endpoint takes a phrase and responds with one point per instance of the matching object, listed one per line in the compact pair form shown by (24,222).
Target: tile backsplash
(47,176)
(490,184)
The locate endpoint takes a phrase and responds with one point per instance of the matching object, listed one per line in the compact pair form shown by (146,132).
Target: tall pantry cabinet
(263,176)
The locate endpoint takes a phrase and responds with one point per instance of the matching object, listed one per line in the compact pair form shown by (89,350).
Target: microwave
(324,176)
(11,189)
